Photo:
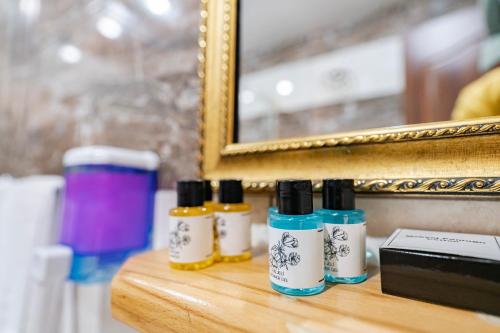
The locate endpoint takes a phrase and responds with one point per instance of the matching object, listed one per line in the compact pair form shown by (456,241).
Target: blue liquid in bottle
(295,241)
(345,233)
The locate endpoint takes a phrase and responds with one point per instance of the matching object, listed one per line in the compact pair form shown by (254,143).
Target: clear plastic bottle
(233,219)
(191,228)
(345,233)
(295,241)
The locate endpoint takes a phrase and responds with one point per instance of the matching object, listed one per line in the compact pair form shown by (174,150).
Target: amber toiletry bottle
(209,203)
(191,235)
(232,217)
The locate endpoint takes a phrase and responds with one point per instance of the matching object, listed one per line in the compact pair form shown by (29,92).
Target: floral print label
(296,258)
(345,249)
(234,231)
(190,238)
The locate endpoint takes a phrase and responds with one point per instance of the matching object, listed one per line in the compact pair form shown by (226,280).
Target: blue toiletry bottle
(345,233)
(295,241)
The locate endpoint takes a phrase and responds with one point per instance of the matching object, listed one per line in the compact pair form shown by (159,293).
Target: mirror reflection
(310,67)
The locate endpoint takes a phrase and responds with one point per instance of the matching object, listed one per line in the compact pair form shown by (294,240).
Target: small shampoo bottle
(295,241)
(191,236)
(209,203)
(345,233)
(232,217)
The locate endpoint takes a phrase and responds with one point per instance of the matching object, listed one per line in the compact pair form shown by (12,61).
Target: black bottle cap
(207,190)
(338,194)
(294,197)
(230,191)
(189,193)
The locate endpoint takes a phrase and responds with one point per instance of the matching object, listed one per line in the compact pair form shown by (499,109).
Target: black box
(460,270)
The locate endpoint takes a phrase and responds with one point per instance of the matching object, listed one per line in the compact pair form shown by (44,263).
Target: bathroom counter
(150,297)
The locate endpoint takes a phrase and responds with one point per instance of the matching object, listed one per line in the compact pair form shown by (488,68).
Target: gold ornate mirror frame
(444,157)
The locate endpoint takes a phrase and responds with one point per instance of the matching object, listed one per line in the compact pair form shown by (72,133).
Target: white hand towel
(27,220)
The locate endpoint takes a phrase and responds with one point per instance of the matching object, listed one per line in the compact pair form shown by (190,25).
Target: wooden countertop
(149,296)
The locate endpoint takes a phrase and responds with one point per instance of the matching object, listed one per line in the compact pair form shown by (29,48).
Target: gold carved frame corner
(445,157)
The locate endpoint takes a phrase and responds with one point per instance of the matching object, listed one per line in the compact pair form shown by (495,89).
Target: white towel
(27,220)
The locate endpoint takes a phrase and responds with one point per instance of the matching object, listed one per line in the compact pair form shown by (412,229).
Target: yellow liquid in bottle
(232,208)
(191,212)
(211,205)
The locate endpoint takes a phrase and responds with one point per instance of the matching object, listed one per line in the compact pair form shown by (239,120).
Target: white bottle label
(191,238)
(296,258)
(234,231)
(345,249)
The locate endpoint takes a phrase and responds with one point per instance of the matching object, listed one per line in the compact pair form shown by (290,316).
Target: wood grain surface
(236,297)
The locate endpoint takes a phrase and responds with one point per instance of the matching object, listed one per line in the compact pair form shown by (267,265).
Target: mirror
(312,67)
(439,157)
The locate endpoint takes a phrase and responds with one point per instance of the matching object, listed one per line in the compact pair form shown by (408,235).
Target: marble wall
(119,73)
